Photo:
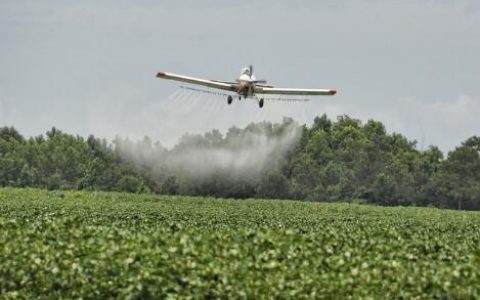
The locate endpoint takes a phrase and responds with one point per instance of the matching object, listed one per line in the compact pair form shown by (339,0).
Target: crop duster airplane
(246,86)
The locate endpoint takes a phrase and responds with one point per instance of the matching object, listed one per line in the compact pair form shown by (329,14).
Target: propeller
(261,81)
(251,75)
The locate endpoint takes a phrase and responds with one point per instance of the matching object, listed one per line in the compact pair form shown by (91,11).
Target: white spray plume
(240,153)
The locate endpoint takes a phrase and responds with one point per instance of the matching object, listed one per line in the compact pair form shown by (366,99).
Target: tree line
(62,161)
(331,160)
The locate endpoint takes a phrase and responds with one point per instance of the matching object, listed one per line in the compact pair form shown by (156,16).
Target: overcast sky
(88,67)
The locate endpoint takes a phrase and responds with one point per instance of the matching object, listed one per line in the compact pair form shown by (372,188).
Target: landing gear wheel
(229,100)
(260,103)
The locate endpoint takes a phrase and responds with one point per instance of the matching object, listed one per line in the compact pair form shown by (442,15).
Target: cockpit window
(246,71)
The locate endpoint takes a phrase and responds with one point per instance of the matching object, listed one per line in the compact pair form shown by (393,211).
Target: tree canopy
(341,160)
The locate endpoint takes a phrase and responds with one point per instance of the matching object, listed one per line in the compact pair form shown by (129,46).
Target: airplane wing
(287,91)
(204,82)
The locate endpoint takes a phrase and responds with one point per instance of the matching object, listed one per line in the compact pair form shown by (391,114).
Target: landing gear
(229,99)
(260,103)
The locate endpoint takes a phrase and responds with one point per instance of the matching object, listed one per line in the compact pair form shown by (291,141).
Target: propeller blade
(251,70)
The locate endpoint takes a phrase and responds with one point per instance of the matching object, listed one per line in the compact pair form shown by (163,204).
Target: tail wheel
(260,103)
(229,100)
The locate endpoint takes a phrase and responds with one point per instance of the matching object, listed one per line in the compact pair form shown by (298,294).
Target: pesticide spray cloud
(202,139)
(240,153)
(245,155)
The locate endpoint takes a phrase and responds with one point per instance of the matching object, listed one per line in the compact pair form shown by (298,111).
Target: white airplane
(246,86)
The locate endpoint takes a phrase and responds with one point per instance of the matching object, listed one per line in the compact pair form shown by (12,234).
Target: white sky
(88,67)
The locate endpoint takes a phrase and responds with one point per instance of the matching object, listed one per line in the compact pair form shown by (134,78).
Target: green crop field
(113,245)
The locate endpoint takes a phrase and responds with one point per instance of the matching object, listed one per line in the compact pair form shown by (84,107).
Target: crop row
(112,245)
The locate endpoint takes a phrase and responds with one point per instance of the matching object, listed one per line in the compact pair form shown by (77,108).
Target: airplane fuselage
(246,83)
(245,89)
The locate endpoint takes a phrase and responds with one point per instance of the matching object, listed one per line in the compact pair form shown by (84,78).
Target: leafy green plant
(61,244)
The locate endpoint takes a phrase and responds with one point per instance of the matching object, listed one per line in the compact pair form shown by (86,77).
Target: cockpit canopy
(245,71)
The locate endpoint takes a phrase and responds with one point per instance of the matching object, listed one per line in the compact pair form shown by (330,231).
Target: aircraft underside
(245,96)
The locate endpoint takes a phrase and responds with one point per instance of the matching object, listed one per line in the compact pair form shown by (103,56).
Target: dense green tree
(170,186)
(273,185)
(461,175)
(63,161)
(329,161)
